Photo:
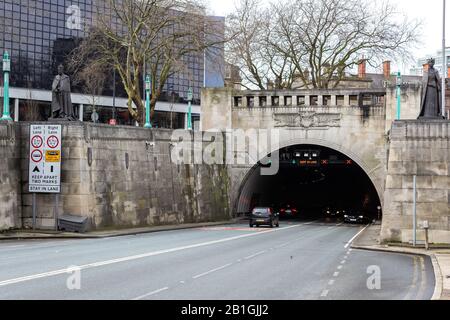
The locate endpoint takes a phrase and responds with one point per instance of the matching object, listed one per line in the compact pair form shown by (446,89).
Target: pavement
(369,240)
(307,260)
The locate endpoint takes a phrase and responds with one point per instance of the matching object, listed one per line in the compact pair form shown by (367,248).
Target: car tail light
(282,210)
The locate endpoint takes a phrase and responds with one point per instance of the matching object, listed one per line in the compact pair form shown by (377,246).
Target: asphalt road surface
(307,260)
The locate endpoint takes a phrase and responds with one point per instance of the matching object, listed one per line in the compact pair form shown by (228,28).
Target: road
(308,260)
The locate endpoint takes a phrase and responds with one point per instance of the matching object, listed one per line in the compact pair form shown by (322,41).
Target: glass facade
(39,34)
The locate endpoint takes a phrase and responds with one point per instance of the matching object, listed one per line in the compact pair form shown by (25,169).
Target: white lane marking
(135,257)
(211,271)
(324,293)
(336,274)
(282,245)
(331,282)
(339,267)
(345,257)
(151,293)
(255,255)
(352,239)
(12,247)
(343,262)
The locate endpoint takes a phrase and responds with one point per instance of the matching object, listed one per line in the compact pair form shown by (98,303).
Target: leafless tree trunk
(313,42)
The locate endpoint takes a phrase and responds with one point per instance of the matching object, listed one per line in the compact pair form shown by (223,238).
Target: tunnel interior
(311,179)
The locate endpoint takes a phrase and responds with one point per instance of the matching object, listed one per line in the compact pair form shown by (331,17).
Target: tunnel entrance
(316,181)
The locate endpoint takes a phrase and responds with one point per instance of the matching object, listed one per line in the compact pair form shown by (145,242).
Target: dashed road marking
(336,274)
(255,255)
(343,262)
(211,271)
(339,267)
(331,282)
(151,293)
(136,257)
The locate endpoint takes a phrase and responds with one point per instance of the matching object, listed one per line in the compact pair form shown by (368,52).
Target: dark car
(288,211)
(334,212)
(264,217)
(353,216)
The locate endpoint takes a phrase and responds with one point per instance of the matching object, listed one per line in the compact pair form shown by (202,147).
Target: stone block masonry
(10,177)
(115,176)
(420,148)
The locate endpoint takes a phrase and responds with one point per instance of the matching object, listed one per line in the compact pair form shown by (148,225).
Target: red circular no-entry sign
(36,156)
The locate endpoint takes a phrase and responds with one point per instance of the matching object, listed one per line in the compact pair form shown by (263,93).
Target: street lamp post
(148,89)
(399,92)
(189,98)
(6,70)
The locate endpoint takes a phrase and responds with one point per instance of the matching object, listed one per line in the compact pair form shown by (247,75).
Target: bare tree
(160,34)
(31,110)
(315,41)
(92,77)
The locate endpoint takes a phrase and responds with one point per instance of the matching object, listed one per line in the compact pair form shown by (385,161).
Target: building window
(301,100)
(314,100)
(263,101)
(238,101)
(288,101)
(250,102)
(275,101)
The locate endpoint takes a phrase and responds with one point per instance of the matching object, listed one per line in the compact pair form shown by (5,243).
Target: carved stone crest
(307,119)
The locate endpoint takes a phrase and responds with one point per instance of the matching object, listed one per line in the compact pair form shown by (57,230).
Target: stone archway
(375,172)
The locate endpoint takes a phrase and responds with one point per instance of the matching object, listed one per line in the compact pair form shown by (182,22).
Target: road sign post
(45,163)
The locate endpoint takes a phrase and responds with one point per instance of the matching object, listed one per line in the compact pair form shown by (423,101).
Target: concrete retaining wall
(419,148)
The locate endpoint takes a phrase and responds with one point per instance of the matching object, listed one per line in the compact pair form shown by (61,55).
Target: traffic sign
(45,159)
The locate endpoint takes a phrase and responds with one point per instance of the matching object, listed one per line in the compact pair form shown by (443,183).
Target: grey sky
(430,12)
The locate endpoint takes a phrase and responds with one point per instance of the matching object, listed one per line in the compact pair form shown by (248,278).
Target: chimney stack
(362,68)
(387,69)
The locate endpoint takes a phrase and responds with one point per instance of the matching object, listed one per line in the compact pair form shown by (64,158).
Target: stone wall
(123,177)
(358,132)
(10,177)
(419,148)
(409,103)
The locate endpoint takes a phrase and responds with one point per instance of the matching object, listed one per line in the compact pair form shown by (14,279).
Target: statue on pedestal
(62,107)
(431,99)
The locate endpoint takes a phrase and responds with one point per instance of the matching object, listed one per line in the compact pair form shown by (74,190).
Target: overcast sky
(430,12)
